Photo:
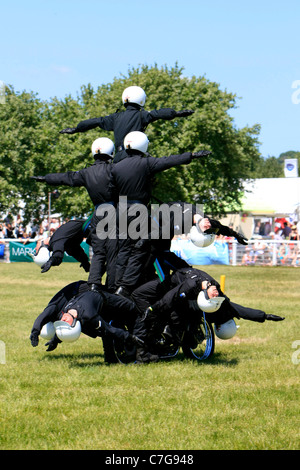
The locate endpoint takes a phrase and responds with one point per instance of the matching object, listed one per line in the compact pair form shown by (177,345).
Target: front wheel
(202,345)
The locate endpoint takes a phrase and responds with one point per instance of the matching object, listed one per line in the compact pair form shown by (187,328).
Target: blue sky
(251,49)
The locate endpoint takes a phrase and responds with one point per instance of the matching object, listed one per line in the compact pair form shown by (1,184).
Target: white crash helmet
(136,140)
(104,146)
(208,305)
(48,331)
(201,239)
(66,332)
(227,330)
(134,94)
(42,257)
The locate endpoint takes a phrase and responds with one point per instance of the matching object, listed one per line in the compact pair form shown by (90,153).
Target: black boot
(144,357)
(95,288)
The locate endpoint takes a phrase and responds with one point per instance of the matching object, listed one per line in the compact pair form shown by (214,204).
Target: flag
(291,167)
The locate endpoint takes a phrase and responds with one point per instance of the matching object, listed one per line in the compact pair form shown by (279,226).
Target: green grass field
(245,397)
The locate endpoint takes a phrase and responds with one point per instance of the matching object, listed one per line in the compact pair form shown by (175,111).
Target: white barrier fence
(265,252)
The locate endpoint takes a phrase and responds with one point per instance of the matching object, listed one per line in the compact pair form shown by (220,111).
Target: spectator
(34,229)
(8,219)
(54,224)
(19,231)
(247,257)
(42,233)
(294,233)
(286,230)
(9,231)
(296,258)
(283,253)
(259,250)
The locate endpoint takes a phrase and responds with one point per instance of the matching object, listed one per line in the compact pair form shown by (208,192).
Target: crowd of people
(13,228)
(275,245)
(132,273)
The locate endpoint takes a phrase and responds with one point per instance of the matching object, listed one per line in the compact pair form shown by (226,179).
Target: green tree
(273,167)
(22,141)
(31,144)
(215,182)
(270,167)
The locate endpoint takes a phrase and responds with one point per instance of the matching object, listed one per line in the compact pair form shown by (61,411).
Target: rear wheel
(201,344)
(122,352)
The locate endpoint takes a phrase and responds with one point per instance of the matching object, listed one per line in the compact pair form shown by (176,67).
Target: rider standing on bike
(96,180)
(134,118)
(132,179)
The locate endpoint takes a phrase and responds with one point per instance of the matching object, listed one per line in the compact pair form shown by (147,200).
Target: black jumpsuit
(92,307)
(95,179)
(178,293)
(121,123)
(132,178)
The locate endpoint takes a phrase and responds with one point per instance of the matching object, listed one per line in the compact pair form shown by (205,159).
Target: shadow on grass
(96,360)
(216,359)
(78,360)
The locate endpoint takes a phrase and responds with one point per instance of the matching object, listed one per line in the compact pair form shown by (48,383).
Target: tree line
(30,143)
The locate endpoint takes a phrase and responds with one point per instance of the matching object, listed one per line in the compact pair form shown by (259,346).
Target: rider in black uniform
(134,118)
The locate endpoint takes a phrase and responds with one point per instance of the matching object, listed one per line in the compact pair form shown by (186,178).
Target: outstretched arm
(106,123)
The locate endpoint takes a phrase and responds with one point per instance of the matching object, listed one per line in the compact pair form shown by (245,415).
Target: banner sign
(291,168)
(216,253)
(20,252)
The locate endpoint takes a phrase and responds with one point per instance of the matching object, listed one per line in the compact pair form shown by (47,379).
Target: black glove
(69,130)
(241,239)
(273,317)
(52,344)
(34,338)
(39,179)
(202,153)
(86,266)
(184,113)
(53,261)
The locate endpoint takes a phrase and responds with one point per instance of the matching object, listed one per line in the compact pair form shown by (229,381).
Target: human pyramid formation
(145,282)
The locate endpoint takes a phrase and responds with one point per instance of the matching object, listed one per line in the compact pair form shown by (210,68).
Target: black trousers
(68,238)
(131,257)
(104,257)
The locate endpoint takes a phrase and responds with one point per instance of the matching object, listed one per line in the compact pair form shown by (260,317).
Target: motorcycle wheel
(123,353)
(205,338)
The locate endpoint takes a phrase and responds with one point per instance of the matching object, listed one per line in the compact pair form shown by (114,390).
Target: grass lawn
(245,397)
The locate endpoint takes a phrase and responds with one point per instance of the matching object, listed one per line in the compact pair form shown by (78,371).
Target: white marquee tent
(273,197)
(266,199)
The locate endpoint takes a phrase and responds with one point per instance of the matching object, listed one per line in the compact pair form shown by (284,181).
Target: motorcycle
(196,340)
